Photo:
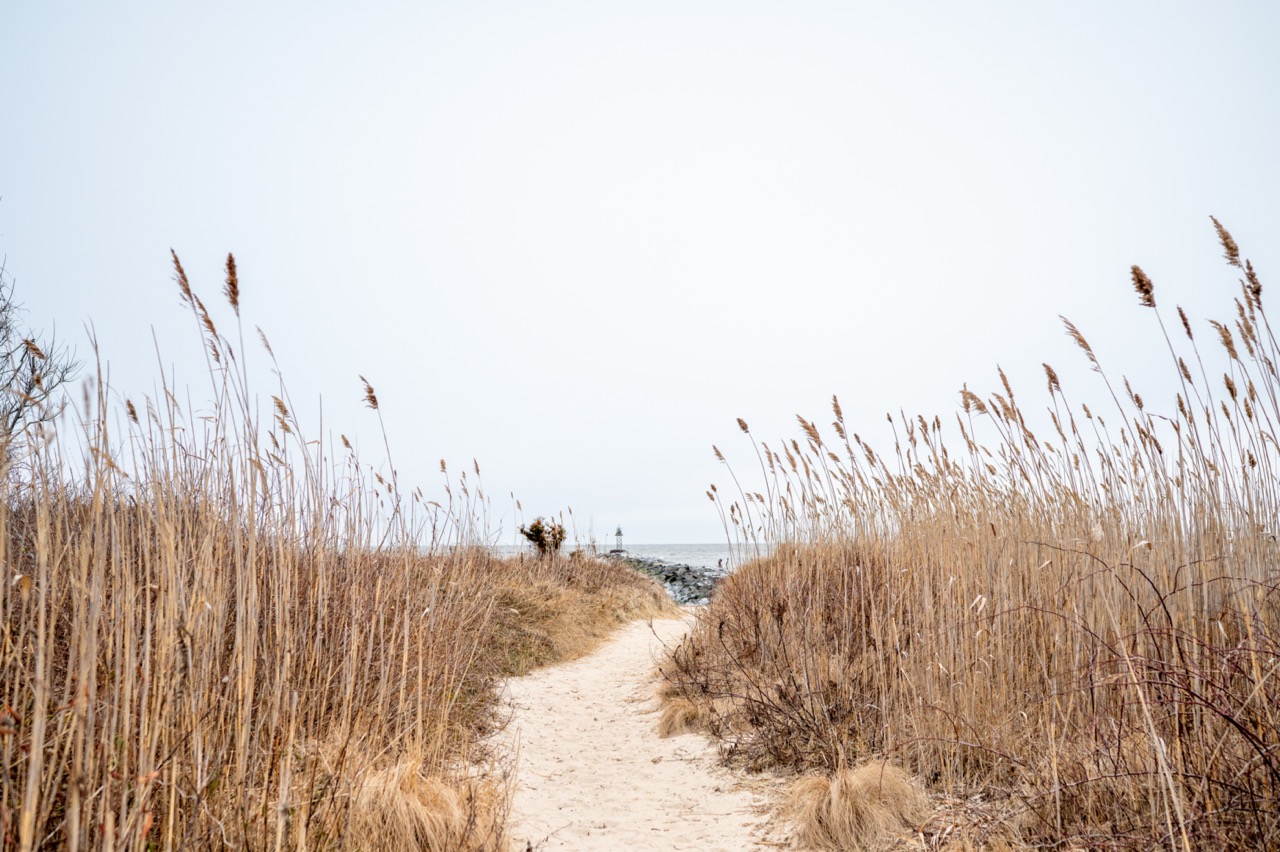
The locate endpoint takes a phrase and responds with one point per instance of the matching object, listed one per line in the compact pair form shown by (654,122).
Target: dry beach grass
(1070,638)
(217,636)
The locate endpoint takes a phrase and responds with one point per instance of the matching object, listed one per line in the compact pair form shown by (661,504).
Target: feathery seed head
(1052,377)
(742,424)
(370,398)
(1230,250)
(232,289)
(1228,342)
(1075,335)
(1004,380)
(1141,283)
(1255,286)
(970,401)
(810,430)
(204,316)
(184,286)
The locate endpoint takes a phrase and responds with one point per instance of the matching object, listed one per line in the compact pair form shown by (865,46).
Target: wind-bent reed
(1084,627)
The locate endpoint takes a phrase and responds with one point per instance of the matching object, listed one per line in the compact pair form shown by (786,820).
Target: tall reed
(218,636)
(1082,627)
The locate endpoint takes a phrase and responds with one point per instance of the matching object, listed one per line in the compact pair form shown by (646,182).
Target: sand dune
(592,773)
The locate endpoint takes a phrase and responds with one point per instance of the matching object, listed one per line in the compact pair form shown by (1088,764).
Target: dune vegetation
(1068,638)
(217,634)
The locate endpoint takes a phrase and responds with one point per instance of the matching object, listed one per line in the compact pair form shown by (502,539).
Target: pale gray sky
(575,240)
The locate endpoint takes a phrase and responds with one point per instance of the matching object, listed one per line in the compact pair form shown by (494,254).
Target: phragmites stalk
(970,401)
(1186,323)
(1053,378)
(1230,250)
(34,350)
(133,412)
(1228,342)
(810,430)
(1075,335)
(184,286)
(265,345)
(742,424)
(205,318)
(370,398)
(1141,283)
(1004,380)
(716,450)
(232,289)
(835,407)
(1255,286)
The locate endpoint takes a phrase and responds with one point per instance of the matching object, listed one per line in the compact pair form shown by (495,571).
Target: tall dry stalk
(218,636)
(1086,621)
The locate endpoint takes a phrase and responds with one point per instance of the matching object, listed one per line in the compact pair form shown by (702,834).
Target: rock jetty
(687,584)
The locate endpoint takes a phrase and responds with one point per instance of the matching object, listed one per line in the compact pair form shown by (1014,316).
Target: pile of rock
(687,584)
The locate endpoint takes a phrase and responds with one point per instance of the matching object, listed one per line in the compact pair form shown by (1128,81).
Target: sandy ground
(592,774)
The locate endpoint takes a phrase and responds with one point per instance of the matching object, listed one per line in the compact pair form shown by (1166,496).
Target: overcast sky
(575,240)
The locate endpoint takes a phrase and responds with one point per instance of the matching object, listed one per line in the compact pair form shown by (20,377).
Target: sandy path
(592,773)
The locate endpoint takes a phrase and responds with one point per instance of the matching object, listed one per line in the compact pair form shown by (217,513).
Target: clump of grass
(679,716)
(1080,625)
(218,634)
(862,808)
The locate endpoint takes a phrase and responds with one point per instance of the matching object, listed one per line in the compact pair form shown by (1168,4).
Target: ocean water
(710,555)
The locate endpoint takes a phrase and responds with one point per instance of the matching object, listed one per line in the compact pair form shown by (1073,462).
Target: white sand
(592,773)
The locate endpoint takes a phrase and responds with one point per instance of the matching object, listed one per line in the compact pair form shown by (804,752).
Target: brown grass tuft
(864,808)
(680,716)
(400,807)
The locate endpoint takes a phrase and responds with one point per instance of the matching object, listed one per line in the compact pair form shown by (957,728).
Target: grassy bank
(219,635)
(1069,637)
